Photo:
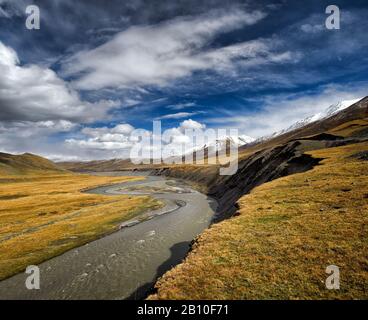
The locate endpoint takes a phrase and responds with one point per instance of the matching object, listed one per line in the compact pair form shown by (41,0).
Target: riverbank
(150,186)
(126,263)
(279,248)
(43,215)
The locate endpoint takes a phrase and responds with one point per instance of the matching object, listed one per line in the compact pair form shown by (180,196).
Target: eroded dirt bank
(261,167)
(286,232)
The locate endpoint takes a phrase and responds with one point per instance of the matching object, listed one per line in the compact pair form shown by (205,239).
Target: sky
(95,71)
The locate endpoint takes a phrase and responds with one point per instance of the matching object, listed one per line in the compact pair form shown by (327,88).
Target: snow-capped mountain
(220,144)
(327,113)
(243,139)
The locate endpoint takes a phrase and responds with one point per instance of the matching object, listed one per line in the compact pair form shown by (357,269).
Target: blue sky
(96,70)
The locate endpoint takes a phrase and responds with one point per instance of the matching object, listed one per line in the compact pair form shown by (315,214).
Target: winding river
(125,264)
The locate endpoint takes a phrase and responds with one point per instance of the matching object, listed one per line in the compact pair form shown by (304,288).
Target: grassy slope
(43,214)
(351,128)
(287,232)
(24,164)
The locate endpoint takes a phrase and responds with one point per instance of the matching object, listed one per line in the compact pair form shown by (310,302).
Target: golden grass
(26,163)
(43,215)
(349,128)
(287,232)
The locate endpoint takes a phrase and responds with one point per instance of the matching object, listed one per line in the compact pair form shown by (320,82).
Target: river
(125,264)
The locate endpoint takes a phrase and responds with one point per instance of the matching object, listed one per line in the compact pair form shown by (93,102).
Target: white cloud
(178,115)
(191,124)
(124,128)
(29,136)
(310,28)
(100,145)
(104,142)
(116,142)
(155,55)
(280,112)
(8,57)
(36,104)
(35,93)
(180,106)
(29,129)
(250,53)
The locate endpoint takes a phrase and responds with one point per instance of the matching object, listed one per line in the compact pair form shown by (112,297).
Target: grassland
(45,214)
(285,235)
(351,128)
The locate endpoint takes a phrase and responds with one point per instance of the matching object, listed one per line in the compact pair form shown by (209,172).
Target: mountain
(226,141)
(25,163)
(356,112)
(238,141)
(334,116)
(211,147)
(325,114)
(126,164)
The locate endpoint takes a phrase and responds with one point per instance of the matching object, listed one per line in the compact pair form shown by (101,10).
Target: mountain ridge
(246,148)
(324,114)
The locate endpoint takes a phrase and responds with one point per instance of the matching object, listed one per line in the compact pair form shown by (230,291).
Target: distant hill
(126,164)
(356,112)
(98,165)
(25,163)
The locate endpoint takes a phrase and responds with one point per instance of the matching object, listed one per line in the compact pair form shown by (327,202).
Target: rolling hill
(44,211)
(26,163)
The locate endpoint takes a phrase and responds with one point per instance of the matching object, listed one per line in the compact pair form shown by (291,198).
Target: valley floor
(285,235)
(43,215)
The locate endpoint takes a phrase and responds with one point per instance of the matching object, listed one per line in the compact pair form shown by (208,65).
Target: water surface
(125,264)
